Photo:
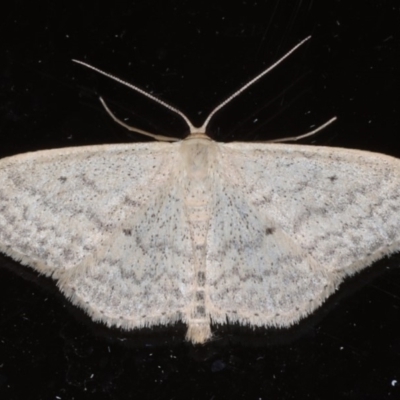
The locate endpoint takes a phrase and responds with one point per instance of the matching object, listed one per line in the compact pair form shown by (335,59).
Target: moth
(198,231)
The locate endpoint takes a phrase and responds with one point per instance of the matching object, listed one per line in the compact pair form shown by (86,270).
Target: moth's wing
(107,222)
(296,221)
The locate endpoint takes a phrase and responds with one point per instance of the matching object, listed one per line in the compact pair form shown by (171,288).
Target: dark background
(193,54)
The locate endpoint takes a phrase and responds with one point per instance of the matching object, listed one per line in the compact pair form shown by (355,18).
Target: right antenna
(254,80)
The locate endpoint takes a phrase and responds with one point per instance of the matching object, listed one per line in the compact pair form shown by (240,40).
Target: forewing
(341,206)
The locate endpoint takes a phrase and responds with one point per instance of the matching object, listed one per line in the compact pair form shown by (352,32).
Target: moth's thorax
(199,159)
(199,156)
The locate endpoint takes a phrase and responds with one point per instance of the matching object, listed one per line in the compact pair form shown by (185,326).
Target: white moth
(199,231)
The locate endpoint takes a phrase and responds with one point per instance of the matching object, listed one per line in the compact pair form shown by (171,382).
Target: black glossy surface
(194,54)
